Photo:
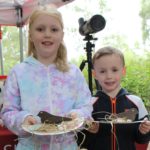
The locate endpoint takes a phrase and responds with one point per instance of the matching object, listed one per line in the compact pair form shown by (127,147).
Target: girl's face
(109,71)
(46,33)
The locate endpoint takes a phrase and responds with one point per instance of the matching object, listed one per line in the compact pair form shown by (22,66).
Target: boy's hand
(92,126)
(144,127)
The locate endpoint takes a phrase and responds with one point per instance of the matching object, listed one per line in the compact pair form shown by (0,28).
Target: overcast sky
(122,19)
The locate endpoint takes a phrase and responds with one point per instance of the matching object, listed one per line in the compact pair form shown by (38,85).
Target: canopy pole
(1,55)
(21,44)
(20,25)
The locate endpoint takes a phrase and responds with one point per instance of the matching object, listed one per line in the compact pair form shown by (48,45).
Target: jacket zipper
(113,105)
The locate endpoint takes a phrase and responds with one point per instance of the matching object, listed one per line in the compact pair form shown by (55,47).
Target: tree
(11,46)
(145,15)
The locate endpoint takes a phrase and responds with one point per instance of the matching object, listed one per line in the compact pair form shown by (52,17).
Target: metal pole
(21,43)
(1,56)
(20,25)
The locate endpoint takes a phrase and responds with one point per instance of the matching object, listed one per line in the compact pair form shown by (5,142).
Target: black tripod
(88,48)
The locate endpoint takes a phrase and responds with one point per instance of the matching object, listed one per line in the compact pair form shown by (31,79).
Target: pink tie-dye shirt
(32,87)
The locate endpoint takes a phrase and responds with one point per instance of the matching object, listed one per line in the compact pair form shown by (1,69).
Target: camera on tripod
(86,28)
(93,25)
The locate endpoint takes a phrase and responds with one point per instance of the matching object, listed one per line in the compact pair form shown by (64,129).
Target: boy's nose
(108,75)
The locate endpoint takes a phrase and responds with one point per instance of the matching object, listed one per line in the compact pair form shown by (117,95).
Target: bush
(137,79)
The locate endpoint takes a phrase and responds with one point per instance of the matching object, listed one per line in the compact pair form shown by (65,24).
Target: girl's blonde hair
(108,51)
(61,59)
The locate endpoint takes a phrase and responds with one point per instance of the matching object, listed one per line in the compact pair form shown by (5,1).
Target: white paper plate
(64,127)
(112,122)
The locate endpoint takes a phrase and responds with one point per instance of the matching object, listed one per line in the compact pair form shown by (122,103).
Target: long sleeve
(12,113)
(58,93)
(83,103)
(32,87)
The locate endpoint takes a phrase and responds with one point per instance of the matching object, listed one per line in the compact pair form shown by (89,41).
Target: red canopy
(3,77)
(16,12)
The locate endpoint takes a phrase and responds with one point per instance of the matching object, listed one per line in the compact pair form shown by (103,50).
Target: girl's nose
(47,33)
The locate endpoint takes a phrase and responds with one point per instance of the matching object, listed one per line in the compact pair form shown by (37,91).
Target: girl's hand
(144,127)
(73,115)
(30,120)
(1,123)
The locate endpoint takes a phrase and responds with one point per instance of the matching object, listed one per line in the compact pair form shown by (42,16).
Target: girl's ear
(30,37)
(62,40)
(124,71)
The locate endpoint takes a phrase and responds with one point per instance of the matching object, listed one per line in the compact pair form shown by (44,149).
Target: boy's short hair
(108,50)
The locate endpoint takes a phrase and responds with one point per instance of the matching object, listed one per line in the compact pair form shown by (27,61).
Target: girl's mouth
(47,43)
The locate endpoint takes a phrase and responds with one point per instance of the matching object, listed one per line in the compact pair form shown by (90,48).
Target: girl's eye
(39,29)
(54,29)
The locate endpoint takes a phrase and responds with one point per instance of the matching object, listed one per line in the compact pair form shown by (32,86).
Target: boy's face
(109,71)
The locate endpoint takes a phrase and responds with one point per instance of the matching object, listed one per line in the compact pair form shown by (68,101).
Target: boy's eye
(115,70)
(102,71)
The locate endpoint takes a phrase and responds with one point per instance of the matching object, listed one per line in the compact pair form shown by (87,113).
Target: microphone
(93,25)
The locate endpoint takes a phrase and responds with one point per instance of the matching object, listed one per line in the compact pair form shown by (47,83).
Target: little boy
(109,68)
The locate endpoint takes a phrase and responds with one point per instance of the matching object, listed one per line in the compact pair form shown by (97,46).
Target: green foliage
(116,40)
(10,47)
(137,79)
(145,15)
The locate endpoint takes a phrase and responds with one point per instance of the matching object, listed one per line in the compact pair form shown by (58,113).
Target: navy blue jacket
(116,136)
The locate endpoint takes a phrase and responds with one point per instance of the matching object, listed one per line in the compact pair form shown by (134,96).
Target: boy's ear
(124,71)
(94,73)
